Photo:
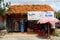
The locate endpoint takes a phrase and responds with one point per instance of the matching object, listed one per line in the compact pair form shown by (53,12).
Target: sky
(55,4)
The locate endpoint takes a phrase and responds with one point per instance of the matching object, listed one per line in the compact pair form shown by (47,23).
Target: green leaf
(58,15)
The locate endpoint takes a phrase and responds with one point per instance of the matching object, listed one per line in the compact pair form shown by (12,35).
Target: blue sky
(55,4)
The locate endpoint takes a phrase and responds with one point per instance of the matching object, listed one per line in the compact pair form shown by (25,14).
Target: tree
(3,9)
(58,15)
(4,6)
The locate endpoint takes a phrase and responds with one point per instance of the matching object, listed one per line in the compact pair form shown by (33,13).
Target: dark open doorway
(14,23)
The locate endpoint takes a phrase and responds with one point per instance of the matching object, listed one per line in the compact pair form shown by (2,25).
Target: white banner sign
(35,15)
(49,14)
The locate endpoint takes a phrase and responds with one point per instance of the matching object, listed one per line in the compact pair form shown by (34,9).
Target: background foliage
(4,6)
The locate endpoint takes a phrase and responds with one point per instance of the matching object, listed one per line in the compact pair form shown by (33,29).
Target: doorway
(14,23)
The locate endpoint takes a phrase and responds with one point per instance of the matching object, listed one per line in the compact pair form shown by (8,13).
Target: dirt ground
(26,36)
(21,36)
